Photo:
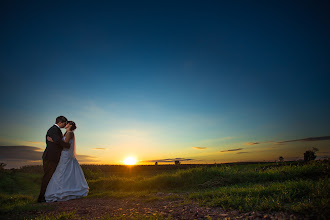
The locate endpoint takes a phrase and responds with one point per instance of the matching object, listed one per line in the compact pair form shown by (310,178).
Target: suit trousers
(49,169)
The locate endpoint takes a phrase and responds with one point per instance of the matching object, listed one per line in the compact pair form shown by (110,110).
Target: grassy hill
(294,187)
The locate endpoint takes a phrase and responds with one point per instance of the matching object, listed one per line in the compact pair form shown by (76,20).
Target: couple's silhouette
(63,177)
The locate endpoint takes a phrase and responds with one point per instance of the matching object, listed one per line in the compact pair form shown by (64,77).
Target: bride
(68,181)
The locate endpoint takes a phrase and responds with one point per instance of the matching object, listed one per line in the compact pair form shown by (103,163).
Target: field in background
(293,187)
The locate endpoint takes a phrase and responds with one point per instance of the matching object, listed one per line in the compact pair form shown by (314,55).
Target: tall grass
(292,187)
(298,188)
(18,193)
(300,196)
(14,181)
(205,177)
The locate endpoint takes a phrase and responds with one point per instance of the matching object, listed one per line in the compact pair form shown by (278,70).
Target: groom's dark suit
(51,157)
(53,149)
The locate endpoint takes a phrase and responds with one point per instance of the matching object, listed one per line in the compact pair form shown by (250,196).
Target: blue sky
(153,79)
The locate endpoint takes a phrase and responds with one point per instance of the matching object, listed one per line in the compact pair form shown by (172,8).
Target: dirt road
(137,208)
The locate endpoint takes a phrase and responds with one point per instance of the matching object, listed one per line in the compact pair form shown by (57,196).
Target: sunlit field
(299,188)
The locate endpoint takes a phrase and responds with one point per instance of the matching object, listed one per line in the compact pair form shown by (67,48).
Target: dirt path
(137,208)
(98,208)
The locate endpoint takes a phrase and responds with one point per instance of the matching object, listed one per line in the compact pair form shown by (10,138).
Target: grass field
(300,188)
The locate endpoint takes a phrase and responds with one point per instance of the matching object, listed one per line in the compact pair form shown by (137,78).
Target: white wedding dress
(68,181)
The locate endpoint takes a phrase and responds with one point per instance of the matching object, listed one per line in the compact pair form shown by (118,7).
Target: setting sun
(130,161)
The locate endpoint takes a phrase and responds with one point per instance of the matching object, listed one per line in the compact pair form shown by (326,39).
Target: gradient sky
(202,81)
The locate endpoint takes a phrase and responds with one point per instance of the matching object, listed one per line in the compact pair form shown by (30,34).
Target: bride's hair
(73,127)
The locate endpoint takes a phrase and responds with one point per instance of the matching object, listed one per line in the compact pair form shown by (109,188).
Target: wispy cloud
(324,138)
(230,150)
(99,148)
(256,143)
(87,159)
(200,148)
(243,152)
(172,160)
(324,152)
(251,143)
(36,142)
(15,142)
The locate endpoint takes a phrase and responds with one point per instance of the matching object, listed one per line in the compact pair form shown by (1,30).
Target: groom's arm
(57,139)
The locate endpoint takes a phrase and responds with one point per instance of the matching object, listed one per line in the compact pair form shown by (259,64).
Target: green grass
(10,202)
(289,187)
(11,206)
(18,192)
(208,177)
(14,181)
(299,196)
(295,188)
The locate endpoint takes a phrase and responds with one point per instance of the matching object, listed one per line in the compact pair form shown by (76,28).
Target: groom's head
(61,121)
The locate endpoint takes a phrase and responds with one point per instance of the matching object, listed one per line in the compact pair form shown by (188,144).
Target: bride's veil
(74,146)
(72,150)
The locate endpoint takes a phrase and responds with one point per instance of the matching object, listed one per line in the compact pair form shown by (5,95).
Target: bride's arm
(65,144)
(68,137)
(57,139)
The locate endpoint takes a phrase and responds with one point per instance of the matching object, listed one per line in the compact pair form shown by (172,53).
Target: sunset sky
(195,81)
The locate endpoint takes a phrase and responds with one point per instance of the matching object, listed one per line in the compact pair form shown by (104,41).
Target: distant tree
(177,162)
(156,163)
(310,154)
(2,166)
(281,159)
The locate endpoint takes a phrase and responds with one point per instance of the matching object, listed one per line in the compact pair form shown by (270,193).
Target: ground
(160,207)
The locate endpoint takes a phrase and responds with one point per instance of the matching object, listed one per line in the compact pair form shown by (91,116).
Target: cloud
(86,159)
(17,156)
(20,153)
(200,148)
(36,142)
(251,143)
(15,142)
(168,160)
(256,143)
(323,138)
(324,152)
(236,149)
(99,148)
(243,152)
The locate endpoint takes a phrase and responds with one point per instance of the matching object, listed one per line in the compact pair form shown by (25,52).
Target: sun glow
(130,161)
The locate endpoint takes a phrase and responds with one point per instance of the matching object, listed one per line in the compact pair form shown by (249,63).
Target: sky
(194,81)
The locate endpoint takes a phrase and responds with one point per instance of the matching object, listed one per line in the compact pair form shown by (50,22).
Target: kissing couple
(63,177)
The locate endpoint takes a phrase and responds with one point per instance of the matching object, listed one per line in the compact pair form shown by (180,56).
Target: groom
(52,153)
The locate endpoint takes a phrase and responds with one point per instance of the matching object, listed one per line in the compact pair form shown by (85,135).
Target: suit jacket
(54,149)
